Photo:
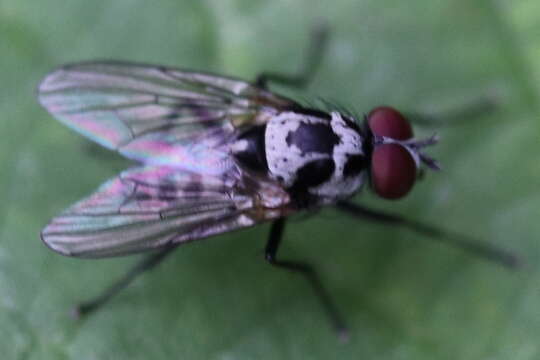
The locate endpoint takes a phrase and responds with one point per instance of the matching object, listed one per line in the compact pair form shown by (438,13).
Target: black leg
(314,54)
(309,272)
(460,115)
(146,264)
(463,242)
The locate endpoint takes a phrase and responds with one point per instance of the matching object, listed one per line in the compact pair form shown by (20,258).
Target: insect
(217,154)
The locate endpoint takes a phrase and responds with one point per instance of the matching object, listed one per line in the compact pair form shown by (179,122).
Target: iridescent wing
(151,207)
(156,115)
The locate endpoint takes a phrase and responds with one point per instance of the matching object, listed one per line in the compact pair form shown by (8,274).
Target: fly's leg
(457,116)
(468,244)
(310,274)
(147,263)
(314,55)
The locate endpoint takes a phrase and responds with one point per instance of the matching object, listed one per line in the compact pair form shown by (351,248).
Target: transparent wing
(151,207)
(156,115)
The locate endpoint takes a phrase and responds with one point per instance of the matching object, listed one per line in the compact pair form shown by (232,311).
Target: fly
(217,154)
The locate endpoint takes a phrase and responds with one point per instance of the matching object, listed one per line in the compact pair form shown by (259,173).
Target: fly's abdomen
(249,149)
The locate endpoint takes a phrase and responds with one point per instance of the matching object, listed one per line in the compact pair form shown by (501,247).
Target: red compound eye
(388,122)
(393,171)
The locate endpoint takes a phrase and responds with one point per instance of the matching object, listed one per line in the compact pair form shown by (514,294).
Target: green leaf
(404,297)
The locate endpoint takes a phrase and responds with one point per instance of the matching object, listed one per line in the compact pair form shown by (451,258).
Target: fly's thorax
(321,157)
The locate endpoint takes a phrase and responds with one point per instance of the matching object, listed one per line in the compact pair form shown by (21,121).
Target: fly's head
(396,156)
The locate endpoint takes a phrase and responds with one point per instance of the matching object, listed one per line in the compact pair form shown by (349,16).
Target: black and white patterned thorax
(315,156)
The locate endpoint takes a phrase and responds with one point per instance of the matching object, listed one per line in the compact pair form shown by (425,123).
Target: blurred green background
(405,297)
